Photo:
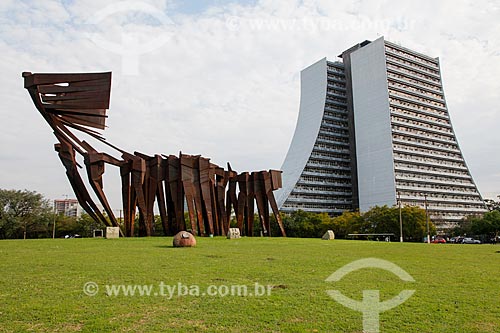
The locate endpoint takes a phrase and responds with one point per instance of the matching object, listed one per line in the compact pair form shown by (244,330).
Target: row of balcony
(440,191)
(426,169)
(414,66)
(333,167)
(336,107)
(422,134)
(407,177)
(330,177)
(405,122)
(336,85)
(423,143)
(434,188)
(299,192)
(292,207)
(316,180)
(427,153)
(401,102)
(323,146)
(341,123)
(336,157)
(332,192)
(334,146)
(335,115)
(402,69)
(466,209)
(414,85)
(428,159)
(426,102)
(333,139)
(333,131)
(393,70)
(394,50)
(332,174)
(336,70)
(330,155)
(336,93)
(321,200)
(416,196)
(415,82)
(416,92)
(324,157)
(430,162)
(336,78)
(424,117)
(336,100)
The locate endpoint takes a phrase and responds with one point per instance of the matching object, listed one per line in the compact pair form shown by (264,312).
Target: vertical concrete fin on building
(313,85)
(372,122)
(346,59)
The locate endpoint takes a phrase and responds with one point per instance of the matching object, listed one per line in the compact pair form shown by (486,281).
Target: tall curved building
(374,129)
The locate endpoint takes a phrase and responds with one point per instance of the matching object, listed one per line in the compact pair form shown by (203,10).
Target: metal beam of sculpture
(80,102)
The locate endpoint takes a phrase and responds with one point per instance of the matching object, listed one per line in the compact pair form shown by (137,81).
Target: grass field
(41,285)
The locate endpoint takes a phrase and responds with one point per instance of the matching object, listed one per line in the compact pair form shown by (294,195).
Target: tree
(487,225)
(85,225)
(67,225)
(415,223)
(383,219)
(305,224)
(492,222)
(24,214)
(348,223)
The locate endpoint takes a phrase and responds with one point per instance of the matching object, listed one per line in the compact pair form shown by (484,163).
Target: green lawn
(41,285)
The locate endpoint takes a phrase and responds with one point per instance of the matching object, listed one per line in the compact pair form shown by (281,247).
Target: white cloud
(226,82)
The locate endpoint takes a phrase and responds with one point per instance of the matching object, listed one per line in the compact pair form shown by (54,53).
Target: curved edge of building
(313,86)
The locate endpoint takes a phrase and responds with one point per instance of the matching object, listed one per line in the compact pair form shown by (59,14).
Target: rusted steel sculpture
(80,102)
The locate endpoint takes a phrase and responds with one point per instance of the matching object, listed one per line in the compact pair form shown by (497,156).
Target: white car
(470,240)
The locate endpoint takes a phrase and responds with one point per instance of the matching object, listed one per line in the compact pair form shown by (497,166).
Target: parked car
(470,240)
(439,240)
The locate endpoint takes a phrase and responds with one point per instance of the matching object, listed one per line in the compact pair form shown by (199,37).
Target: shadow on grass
(165,246)
(173,247)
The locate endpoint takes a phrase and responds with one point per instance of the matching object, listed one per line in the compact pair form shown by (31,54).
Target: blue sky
(222,78)
(199,6)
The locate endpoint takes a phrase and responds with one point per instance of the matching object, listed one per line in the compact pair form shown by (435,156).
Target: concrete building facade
(372,130)
(67,207)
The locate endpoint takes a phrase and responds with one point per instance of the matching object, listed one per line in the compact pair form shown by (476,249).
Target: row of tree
(485,227)
(378,220)
(27,214)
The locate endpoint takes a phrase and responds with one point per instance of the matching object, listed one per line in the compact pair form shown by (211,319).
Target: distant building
(372,129)
(68,207)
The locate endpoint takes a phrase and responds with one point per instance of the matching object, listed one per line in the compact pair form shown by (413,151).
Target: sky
(221,78)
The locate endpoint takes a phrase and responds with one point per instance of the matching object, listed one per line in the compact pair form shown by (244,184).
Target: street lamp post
(400,219)
(427,219)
